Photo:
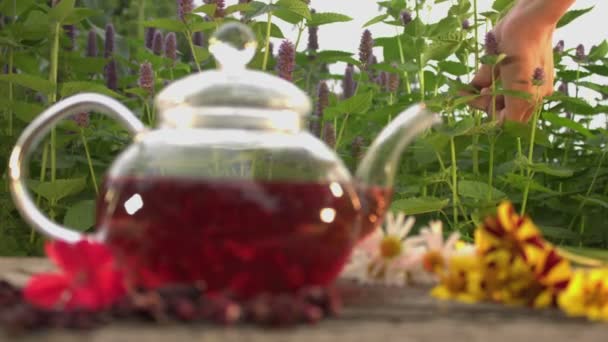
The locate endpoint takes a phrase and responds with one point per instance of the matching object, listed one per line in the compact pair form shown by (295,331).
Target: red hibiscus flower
(89,278)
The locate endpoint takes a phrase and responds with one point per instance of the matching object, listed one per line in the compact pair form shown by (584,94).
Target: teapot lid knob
(233,46)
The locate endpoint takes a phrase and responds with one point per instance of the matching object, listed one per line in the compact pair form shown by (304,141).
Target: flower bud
(286,61)
(348,83)
(406,18)
(157,44)
(356,148)
(322,103)
(146,77)
(559,47)
(491,44)
(92,44)
(329,134)
(184,7)
(580,55)
(382,80)
(198,39)
(393,82)
(466,24)
(110,41)
(81,119)
(111,75)
(313,38)
(563,88)
(538,78)
(366,48)
(171,47)
(150,32)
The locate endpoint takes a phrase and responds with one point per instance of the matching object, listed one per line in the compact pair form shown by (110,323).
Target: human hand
(524,35)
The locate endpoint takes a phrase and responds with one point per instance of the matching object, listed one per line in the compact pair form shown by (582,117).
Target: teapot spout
(379,165)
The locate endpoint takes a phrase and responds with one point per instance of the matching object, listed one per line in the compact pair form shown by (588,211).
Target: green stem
(141,17)
(148,113)
(342,128)
(589,190)
(454,182)
(267,41)
(520,155)
(406,76)
(45,153)
(188,35)
(10,91)
(530,173)
(475,18)
(492,139)
(53,71)
(89,161)
(300,30)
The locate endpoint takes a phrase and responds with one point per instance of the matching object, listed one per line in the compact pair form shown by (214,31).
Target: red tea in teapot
(246,237)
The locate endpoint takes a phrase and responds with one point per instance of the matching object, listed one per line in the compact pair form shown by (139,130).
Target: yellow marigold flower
(586,295)
(462,280)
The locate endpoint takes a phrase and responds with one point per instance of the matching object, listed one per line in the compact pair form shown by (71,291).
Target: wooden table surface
(371,314)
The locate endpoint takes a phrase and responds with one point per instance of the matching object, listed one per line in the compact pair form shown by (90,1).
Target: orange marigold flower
(586,295)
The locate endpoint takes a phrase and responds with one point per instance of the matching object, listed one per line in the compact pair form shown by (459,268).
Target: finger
(483,77)
(517,76)
(483,101)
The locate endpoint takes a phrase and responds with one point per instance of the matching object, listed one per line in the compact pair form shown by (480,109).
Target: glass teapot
(229,190)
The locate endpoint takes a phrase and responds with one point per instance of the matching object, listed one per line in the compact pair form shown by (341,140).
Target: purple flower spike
(406,18)
(92,50)
(366,48)
(538,78)
(580,55)
(110,41)
(329,134)
(286,62)
(393,82)
(198,39)
(184,7)
(559,47)
(313,38)
(171,47)
(382,80)
(70,32)
(146,77)
(356,148)
(491,44)
(563,88)
(81,119)
(111,75)
(348,83)
(322,103)
(150,32)
(158,44)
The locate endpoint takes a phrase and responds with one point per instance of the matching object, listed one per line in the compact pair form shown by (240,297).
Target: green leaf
(597,69)
(440,50)
(598,200)
(15,7)
(446,25)
(598,52)
(298,7)
(502,5)
(333,56)
(166,24)
(552,170)
(319,19)
(245,7)
(514,93)
(520,182)
(79,14)
(376,20)
(208,9)
(61,188)
(559,121)
(31,82)
(598,254)
(454,68)
(80,216)
(459,128)
(558,232)
(71,88)
(479,191)
(62,10)
(571,15)
(357,104)
(419,205)
(275,31)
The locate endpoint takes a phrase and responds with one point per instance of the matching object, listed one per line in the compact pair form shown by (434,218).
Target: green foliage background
(456,173)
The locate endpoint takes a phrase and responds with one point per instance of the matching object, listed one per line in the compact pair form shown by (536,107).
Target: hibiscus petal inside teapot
(229,190)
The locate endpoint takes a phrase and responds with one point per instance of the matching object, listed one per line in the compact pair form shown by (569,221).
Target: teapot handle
(30,138)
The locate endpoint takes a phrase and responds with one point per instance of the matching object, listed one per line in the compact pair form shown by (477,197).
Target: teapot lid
(233,96)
